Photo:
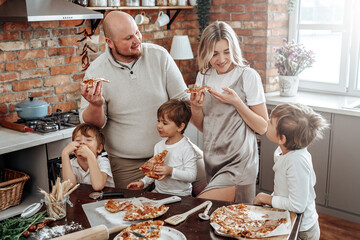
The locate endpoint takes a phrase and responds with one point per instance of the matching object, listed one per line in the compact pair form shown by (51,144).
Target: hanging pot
(30,109)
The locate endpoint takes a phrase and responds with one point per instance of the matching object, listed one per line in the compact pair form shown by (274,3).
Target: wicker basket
(11,187)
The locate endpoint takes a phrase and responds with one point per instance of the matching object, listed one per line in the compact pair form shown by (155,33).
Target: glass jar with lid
(161,2)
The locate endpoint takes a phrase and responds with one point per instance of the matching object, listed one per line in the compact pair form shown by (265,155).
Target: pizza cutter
(204,216)
(101,194)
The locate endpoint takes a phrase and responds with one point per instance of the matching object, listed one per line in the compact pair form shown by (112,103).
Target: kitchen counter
(319,102)
(12,140)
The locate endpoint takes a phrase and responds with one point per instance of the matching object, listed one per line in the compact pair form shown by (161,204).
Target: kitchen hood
(44,10)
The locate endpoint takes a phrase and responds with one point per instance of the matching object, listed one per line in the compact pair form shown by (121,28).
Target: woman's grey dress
(230,148)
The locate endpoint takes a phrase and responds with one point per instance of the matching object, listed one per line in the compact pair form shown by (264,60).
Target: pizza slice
(93,81)
(198,89)
(136,212)
(116,206)
(144,230)
(148,168)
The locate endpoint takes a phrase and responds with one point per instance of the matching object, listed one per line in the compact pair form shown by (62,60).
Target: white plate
(167,233)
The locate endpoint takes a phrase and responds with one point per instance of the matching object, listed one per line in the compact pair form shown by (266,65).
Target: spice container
(148,3)
(57,210)
(172,2)
(161,2)
(98,3)
(133,3)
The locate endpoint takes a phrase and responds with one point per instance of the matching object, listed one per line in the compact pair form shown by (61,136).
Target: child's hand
(135,185)
(70,148)
(84,151)
(163,170)
(263,199)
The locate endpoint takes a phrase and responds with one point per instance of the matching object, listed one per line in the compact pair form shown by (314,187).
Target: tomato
(32,228)
(26,233)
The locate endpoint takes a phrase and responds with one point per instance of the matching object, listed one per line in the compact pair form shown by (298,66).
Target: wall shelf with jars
(168,9)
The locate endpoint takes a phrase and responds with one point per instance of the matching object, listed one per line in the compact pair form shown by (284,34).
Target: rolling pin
(100,232)
(16,126)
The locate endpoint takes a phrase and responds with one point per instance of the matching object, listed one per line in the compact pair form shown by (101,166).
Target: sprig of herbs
(13,228)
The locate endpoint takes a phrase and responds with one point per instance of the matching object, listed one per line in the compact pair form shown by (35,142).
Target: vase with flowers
(290,60)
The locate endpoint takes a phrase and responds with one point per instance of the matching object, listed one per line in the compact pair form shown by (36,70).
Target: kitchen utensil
(16,126)
(100,232)
(100,195)
(160,202)
(32,109)
(176,219)
(31,210)
(162,19)
(205,215)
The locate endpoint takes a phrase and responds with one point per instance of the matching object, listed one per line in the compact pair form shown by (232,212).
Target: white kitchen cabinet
(344,190)
(320,156)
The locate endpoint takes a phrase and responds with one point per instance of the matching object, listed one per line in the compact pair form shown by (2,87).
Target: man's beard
(128,57)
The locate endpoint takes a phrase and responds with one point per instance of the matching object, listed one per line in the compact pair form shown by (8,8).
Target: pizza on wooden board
(236,221)
(135,212)
(148,168)
(92,82)
(198,89)
(145,230)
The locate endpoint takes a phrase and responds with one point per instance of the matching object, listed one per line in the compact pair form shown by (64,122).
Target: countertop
(319,102)
(11,140)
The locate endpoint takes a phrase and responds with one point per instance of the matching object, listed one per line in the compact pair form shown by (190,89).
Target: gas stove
(54,122)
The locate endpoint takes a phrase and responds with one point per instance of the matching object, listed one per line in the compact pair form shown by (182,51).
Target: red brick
(5,36)
(3,108)
(8,77)
(232,8)
(13,97)
(260,16)
(43,43)
(67,88)
(34,73)
(7,56)
(241,16)
(69,41)
(27,34)
(26,85)
(20,65)
(5,88)
(220,2)
(49,62)
(58,32)
(54,99)
(41,92)
(220,17)
(70,23)
(78,77)
(44,24)
(57,80)
(2,67)
(277,8)
(68,69)
(64,106)
(61,51)
(14,45)
(73,97)
(73,59)
(15,26)
(31,54)
(255,8)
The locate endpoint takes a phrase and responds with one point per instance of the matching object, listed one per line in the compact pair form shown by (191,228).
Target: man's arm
(94,112)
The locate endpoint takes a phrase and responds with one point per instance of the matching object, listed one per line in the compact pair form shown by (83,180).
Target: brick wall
(42,59)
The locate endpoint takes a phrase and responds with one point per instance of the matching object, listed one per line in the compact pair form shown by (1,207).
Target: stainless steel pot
(32,109)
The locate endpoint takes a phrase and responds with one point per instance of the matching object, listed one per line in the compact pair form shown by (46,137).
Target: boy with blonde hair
(293,127)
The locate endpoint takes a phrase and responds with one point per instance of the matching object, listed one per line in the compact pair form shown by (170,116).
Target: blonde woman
(228,115)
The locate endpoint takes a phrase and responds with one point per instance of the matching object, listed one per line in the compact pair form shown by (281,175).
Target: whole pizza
(239,221)
(145,230)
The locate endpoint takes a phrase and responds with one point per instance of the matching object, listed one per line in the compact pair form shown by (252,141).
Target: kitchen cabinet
(320,156)
(344,190)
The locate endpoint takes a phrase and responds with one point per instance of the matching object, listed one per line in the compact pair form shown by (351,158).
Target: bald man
(143,76)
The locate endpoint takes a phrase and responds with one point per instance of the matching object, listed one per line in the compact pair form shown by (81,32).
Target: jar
(182,3)
(172,2)
(98,3)
(161,2)
(113,3)
(133,3)
(148,3)
(83,3)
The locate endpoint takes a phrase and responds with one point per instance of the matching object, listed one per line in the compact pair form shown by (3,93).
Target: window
(330,28)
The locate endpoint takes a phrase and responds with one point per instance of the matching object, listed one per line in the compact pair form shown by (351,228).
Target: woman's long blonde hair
(211,35)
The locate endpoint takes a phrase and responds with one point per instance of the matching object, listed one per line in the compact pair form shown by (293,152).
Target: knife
(100,195)
(16,126)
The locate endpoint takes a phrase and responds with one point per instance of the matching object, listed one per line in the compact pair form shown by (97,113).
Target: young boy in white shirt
(180,163)
(89,166)
(293,127)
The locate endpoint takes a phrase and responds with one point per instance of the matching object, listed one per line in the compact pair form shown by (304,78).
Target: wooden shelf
(141,8)
(168,9)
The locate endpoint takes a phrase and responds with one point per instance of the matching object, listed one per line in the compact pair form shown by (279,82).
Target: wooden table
(193,228)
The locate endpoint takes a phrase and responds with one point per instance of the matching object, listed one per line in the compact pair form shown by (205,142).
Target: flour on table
(56,231)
